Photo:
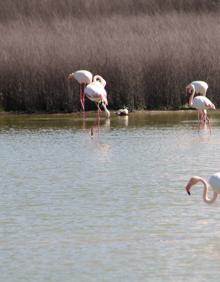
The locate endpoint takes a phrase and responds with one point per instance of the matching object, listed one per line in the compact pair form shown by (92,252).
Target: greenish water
(111,206)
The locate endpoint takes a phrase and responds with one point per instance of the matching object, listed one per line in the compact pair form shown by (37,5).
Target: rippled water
(111,206)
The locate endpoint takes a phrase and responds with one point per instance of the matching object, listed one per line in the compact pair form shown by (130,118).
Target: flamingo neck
(106,110)
(192,96)
(205,193)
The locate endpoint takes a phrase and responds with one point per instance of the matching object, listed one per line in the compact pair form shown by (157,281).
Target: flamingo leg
(199,116)
(98,122)
(99,110)
(209,125)
(82,96)
(200,120)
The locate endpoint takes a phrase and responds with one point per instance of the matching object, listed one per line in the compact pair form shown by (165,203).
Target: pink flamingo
(201,103)
(214,182)
(84,77)
(96,92)
(201,88)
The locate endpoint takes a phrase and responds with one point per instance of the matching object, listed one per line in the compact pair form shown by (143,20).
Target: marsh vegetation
(146,50)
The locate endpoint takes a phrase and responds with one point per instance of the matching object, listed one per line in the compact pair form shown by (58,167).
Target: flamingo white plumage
(84,77)
(214,182)
(201,87)
(201,103)
(96,92)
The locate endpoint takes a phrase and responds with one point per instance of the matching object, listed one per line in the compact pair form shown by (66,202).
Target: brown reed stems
(147,58)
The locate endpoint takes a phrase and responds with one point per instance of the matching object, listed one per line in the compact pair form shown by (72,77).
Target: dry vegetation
(147,50)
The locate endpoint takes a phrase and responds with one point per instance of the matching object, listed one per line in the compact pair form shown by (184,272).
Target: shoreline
(102,115)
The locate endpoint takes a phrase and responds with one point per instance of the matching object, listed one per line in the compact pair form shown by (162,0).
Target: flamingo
(84,77)
(214,182)
(96,92)
(200,89)
(201,103)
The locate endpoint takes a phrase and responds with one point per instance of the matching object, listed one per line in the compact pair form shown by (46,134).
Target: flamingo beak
(188,190)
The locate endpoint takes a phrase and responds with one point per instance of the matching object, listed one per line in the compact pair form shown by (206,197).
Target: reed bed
(147,56)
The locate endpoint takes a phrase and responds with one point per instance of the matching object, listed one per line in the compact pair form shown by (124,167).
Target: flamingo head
(193,181)
(71,76)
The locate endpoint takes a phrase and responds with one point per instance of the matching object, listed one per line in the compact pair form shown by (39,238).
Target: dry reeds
(147,56)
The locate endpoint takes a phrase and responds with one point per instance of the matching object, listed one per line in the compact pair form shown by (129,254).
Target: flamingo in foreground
(95,91)
(201,103)
(214,182)
(201,88)
(84,77)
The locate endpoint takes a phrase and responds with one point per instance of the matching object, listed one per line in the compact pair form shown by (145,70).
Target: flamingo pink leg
(99,110)
(82,96)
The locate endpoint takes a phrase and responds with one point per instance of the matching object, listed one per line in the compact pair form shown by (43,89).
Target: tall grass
(146,52)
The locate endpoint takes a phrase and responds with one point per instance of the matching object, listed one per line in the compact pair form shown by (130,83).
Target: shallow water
(111,206)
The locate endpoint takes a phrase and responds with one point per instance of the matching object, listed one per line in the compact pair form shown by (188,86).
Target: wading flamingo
(96,92)
(214,182)
(200,89)
(84,77)
(201,103)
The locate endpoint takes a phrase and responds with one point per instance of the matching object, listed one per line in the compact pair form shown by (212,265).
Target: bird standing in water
(84,77)
(201,103)
(95,91)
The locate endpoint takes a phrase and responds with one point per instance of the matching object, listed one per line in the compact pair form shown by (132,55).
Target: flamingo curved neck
(205,193)
(192,96)
(106,110)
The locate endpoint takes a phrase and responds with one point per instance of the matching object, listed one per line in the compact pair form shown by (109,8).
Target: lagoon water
(111,206)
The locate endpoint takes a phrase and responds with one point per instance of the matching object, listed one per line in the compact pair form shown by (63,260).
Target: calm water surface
(107,207)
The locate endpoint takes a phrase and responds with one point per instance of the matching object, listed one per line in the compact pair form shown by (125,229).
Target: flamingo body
(83,76)
(214,182)
(96,93)
(202,103)
(201,87)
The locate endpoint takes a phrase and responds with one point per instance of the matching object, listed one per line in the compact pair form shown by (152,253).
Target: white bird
(84,77)
(214,182)
(96,92)
(201,87)
(200,103)
(122,112)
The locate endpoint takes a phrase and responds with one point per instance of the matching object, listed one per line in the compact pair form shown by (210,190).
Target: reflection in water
(108,207)
(98,123)
(123,120)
